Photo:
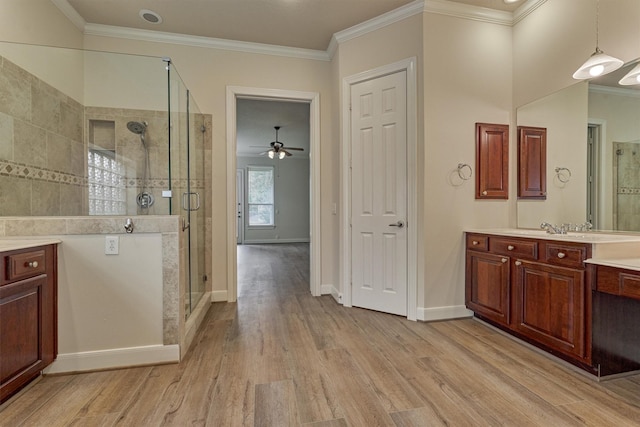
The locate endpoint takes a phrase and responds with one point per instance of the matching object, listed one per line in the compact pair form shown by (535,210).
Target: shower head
(138,128)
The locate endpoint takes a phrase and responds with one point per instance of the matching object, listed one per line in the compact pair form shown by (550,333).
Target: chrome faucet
(553,229)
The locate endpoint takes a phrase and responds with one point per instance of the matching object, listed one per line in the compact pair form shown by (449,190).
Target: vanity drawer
(25,264)
(617,281)
(630,285)
(477,242)
(565,255)
(514,247)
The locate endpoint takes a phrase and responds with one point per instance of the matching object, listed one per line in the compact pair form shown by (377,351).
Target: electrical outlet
(111,245)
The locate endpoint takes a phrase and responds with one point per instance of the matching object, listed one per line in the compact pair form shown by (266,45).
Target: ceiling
(255,121)
(305,24)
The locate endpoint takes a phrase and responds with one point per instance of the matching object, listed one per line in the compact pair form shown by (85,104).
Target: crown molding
(609,90)
(526,9)
(205,42)
(70,13)
(443,7)
(465,11)
(374,24)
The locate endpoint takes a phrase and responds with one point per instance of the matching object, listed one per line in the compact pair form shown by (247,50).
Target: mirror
(593,155)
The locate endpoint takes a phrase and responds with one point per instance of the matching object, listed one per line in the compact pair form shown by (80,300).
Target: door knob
(398,224)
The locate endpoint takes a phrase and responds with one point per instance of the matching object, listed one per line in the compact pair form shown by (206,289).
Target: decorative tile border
(19,170)
(624,190)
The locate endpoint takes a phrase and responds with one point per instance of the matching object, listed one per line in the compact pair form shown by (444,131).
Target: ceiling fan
(277,148)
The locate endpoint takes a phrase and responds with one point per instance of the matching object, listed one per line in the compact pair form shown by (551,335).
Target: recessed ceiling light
(150,16)
(511,1)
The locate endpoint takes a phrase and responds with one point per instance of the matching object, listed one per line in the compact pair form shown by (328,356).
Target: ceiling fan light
(632,77)
(271,154)
(598,64)
(281,155)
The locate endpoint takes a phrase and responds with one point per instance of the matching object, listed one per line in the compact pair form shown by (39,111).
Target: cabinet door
(492,161)
(549,306)
(532,163)
(487,285)
(24,347)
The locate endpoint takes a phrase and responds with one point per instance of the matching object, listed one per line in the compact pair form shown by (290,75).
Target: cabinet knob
(504,260)
(475,243)
(511,247)
(561,255)
(32,264)
(518,263)
(484,193)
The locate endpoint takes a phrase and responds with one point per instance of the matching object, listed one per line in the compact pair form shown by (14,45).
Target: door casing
(408,65)
(313,99)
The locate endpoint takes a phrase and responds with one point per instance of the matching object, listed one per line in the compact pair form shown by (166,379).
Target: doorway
(379,233)
(312,99)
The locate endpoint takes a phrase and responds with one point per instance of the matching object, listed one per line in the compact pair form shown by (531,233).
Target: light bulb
(271,154)
(596,71)
(281,155)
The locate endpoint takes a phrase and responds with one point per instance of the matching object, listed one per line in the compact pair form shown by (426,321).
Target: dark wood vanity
(28,315)
(543,292)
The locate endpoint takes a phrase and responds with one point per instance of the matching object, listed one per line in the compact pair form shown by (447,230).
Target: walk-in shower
(144,198)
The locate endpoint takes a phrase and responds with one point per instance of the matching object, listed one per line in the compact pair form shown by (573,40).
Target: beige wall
(556,38)
(207,73)
(37,22)
(467,79)
(564,115)
(472,72)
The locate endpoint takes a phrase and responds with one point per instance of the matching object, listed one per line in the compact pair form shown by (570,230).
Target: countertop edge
(15,243)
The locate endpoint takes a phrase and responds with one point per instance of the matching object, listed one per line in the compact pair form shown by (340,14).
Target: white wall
(291,192)
(109,301)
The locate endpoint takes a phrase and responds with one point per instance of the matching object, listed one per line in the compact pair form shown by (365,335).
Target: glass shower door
(186,157)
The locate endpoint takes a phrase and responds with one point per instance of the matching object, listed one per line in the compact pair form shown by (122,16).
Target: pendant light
(598,63)
(632,77)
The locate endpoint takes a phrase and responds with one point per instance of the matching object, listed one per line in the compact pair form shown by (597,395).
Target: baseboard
(219,296)
(117,358)
(428,314)
(269,241)
(331,290)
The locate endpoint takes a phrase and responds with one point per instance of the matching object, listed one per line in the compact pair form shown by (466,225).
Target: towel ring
(461,174)
(563,174)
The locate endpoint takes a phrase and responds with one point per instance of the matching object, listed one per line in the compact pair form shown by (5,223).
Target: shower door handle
(186,205)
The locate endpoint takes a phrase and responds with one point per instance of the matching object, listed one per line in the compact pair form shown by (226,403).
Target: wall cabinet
(532,163)
(534,289)
(28,316)
(492,161)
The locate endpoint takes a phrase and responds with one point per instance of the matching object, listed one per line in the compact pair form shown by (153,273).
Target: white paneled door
(379,194)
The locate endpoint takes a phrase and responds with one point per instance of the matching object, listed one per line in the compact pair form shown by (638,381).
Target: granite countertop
(572,236)
(627,263)
(15,243)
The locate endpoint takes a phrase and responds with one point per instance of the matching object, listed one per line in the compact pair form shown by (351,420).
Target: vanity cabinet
(532,288)
(28,315)
(616,319)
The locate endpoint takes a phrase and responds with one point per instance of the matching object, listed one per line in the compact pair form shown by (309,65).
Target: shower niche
(126,169)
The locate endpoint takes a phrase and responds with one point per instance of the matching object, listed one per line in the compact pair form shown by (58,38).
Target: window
(106,184)
(260,196)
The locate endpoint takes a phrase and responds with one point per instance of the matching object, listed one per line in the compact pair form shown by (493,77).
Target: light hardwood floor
(280,357)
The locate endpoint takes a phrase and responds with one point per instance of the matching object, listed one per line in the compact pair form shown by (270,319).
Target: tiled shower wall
(627,185)
(42,154)
(43,150)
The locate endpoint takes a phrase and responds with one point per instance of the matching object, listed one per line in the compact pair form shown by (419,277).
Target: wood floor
(280,357)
